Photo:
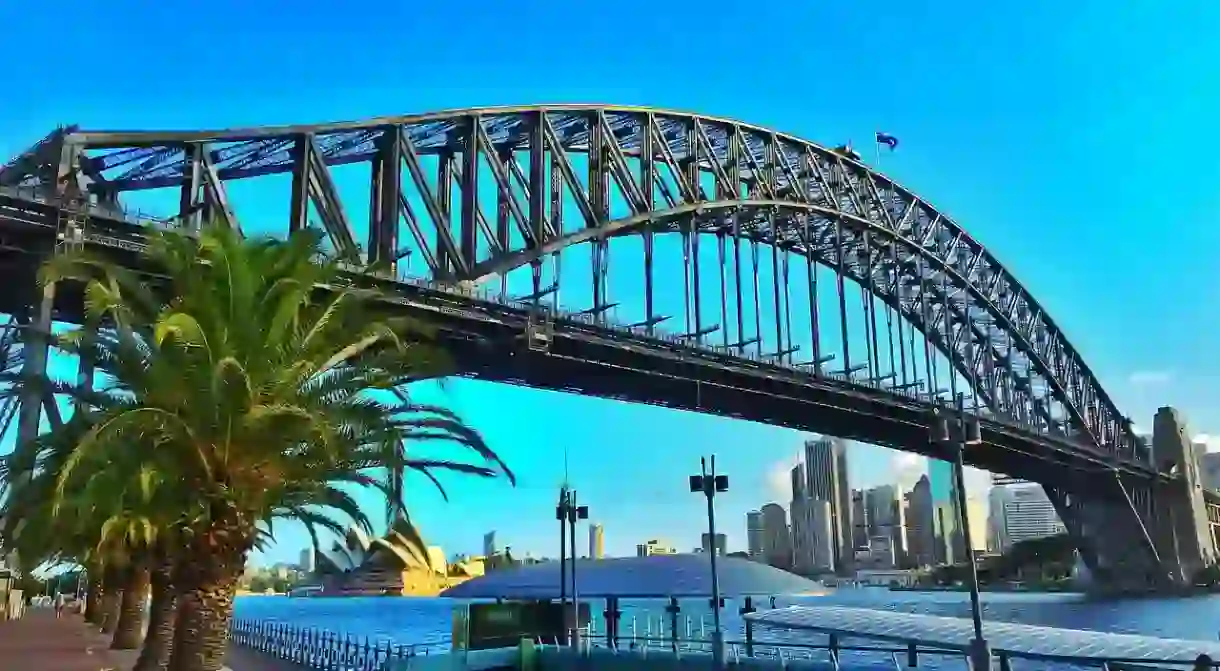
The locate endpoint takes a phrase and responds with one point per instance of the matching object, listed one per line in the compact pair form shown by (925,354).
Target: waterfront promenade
(40,642)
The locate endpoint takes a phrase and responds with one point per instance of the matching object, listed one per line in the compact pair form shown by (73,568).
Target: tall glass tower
(949,545)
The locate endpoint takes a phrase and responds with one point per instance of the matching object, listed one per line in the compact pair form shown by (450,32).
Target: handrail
(322,650)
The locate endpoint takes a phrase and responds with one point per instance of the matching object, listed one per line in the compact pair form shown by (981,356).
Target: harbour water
(423,620)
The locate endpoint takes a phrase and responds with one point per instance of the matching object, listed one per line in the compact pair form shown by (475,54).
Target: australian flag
(887,140)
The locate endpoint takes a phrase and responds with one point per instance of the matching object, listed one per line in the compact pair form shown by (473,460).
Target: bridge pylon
(1182,531)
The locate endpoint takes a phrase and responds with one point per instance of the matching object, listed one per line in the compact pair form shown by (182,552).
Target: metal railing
(322,650)
(909,655)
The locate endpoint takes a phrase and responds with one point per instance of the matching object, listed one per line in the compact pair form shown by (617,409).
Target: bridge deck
(952,633)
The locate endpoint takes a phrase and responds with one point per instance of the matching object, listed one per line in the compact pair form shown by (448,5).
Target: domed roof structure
(685,575)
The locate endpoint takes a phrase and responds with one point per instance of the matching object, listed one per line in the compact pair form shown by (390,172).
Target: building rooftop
(683,575)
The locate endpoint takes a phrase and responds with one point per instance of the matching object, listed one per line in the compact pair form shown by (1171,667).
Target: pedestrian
(60,602)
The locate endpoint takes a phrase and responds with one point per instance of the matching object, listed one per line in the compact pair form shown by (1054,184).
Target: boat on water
(305,590)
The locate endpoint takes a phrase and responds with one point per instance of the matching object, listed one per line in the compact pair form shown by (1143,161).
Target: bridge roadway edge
(595,360)
(684,380)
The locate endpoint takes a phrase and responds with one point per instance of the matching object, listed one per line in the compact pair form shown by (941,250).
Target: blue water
(424,620)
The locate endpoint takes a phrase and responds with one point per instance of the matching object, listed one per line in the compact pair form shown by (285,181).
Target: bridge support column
(1182,531)
(1109,535)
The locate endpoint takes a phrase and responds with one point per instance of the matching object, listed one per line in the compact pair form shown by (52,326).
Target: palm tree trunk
(205,610)
(93,602)
(111,594)
(130,628)
(162,612)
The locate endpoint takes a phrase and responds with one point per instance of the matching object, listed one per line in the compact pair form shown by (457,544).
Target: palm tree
(250,373)
(112,518)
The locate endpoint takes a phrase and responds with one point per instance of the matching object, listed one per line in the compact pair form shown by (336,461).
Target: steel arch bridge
(899,312)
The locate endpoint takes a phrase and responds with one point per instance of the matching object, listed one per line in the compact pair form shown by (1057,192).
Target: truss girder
(311,183)
(203,199)
(658,163)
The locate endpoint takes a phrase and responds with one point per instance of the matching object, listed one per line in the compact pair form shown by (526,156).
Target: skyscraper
(755,534)
(921,531)
(489,544)
(950,543)
(821,536)
(798,512)
(1209,470)
(777,541)
(1027,514)
(861,528)
(719,545)
(597,541)
(826,480)
(307,560)
(885,519)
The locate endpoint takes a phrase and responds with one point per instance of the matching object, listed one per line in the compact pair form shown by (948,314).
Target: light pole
(957,434)
(561,514)
(575,512)
(711,484)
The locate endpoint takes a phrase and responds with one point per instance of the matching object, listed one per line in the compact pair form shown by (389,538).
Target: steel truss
(483,192)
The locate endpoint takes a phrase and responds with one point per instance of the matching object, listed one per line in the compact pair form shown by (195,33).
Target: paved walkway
(39,642)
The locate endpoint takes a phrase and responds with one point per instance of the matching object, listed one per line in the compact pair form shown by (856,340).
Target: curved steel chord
(673,172)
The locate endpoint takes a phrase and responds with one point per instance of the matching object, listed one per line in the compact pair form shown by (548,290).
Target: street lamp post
(561,514)
(575,513)
(957,434)
(710,484)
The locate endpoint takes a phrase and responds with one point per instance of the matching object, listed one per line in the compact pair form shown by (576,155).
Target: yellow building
(654,547)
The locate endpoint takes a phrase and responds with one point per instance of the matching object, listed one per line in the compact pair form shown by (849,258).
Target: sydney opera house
(390,565)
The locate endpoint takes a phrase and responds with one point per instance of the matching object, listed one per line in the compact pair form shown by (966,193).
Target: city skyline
(1035,189)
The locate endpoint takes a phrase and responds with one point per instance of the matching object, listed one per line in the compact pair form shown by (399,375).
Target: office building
(822,536)
(777,539)
(597,541)
(826,480)
(996,498)
(798,512)
(490,546)
(949,541)
(720,546)
(654,547)
(755,534)
(1209,470)
(976,513)
(880,553)
(921,532)
(1027,514)
(307,564)
(886,519)
(860,526)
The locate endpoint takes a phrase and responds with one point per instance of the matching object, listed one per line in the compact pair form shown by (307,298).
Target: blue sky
(1072,139)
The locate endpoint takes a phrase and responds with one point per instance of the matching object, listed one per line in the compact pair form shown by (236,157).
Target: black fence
(323,650)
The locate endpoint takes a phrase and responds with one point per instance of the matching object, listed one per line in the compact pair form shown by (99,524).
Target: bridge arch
(788,226)
(672,169)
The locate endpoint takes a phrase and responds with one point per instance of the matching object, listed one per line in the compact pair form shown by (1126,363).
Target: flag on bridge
(887,140)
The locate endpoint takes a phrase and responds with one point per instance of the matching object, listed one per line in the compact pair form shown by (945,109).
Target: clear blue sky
(1073,139)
